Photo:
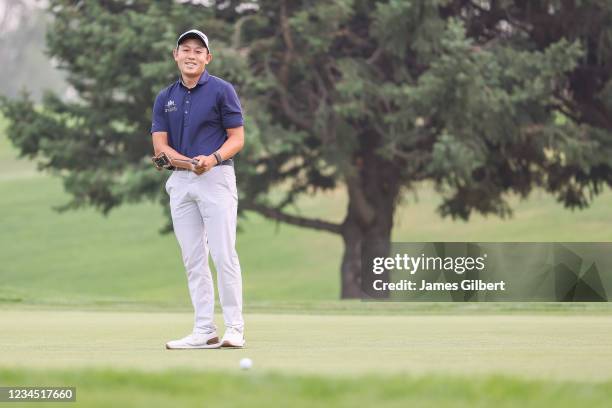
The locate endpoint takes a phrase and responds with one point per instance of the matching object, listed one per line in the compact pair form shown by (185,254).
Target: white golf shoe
(195,341)
(233,338)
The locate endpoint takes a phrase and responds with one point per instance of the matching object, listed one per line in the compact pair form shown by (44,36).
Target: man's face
(191,57)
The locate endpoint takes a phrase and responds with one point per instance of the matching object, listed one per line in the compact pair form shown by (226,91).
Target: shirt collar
(203,79)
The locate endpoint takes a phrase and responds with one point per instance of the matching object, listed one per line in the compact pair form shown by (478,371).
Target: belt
(228,162)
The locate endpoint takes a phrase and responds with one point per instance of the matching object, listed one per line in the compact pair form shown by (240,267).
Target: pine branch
(278,215)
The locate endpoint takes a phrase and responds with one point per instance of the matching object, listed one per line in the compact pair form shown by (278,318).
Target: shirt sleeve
(231,111)
(159,121)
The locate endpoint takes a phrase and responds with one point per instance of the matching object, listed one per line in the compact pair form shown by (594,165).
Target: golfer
(199,117)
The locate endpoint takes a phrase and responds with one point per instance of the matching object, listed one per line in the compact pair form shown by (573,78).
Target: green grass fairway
(185,388)
(572,347)
(309,360)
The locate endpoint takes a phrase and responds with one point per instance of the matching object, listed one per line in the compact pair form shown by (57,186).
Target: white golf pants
(204,210)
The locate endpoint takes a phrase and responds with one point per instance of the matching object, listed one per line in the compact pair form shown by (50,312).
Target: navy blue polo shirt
(196,119)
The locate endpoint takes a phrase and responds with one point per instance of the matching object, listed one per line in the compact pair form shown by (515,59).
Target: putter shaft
(192,161)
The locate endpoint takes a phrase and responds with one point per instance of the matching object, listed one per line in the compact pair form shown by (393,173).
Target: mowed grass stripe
(574,347)
(186,388)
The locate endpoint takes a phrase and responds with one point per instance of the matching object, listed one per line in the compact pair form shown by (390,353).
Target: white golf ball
(246,363)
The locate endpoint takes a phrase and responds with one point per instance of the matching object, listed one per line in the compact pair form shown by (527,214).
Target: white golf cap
(193,34)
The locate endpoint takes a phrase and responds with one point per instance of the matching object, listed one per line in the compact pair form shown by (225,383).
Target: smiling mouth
(191,65)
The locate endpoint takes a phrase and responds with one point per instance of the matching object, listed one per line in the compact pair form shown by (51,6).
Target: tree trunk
(361,246)
(350,271)
(366,230)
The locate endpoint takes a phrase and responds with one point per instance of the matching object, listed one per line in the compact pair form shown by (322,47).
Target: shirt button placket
(187,99)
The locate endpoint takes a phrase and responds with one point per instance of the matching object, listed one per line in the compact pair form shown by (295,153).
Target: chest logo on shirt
(170,106)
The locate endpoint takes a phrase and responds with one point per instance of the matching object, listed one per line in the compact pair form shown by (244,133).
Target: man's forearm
(232,145)
(173,154)
(229,149)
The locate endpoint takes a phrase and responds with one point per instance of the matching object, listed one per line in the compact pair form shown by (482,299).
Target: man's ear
(209,57)
(175,53)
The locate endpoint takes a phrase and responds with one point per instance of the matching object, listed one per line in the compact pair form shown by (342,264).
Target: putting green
(572,347)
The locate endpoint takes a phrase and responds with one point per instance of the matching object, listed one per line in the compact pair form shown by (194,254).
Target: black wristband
(218,157)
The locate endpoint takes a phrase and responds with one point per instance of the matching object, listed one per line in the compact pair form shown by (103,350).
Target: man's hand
(205,163)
